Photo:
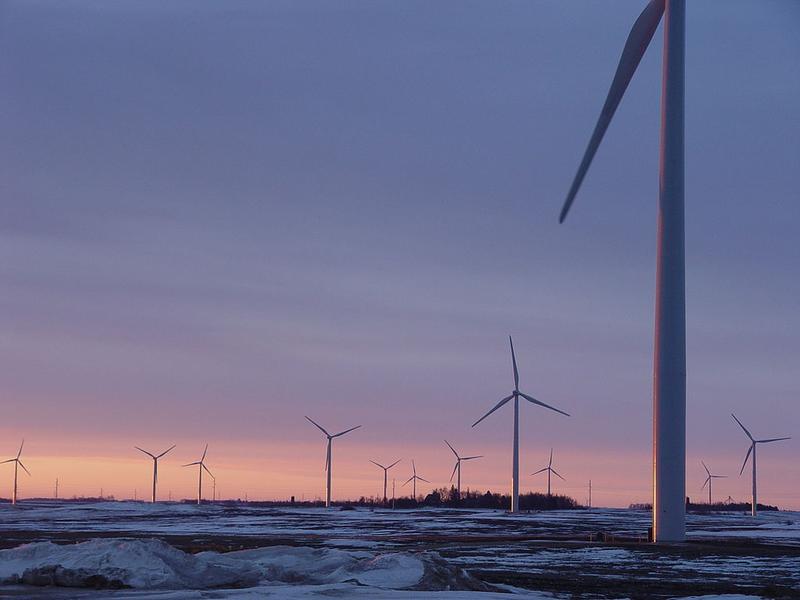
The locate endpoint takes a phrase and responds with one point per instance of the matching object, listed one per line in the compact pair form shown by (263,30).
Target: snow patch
(153,564)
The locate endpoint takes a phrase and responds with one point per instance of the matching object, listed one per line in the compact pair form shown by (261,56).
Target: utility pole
(392,494)
(56,494)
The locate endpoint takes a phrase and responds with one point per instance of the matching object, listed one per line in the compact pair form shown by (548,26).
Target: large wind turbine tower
(201,466)
(329,457)
(669,368)
(155,458)
(385,475)
(457,468)
(516,395)
(17,464)
(752,450)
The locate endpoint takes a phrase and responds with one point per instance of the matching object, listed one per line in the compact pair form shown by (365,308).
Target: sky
(218,217)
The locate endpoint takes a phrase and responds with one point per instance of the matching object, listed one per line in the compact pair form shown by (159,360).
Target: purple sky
(219,217)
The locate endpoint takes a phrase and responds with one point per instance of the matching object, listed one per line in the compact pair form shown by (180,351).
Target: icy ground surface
(174,551)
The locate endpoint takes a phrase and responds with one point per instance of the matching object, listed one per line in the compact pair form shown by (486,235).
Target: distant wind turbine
(414,478)
(457,468)
(669,365)
(155,465)
(17,463)
(515,395)
(549,468)
(201,465)
(752,450)
(709,480)
(385,475)
(328,457)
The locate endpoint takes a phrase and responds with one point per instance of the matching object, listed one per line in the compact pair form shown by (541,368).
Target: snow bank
(153,564)
(118,563)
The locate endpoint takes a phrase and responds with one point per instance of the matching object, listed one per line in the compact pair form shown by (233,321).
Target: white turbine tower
(155,465)
(385,475)
(457,468)
(328,458)
(550,470)
(709,480)
(17,464)
(669,377)
(201,465)
(515,395)
(752,450)
(414,478)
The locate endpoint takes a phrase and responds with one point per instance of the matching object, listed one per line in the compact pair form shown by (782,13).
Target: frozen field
(173,551)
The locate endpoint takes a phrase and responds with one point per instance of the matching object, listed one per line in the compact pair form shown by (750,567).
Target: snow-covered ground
(437,553)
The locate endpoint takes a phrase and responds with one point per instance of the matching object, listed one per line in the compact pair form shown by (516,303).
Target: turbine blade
(749,450)
(20,448)
(550,464)
(496,406)
(393,464)
(409,479)
(535,401)
(207,471)
(346,431)
(191,464)
(451,448)
(327,456)
(706,468)
(514,362)
(378,464)
(719,477)
(540,471)
(414,467)
(145,451)
(319,427)
(772,440)
(8,461)
(743,427)
(204,453)
(23,467)
(635,46)
(455,468)
(421,479)
(167,450)
(557,475)
(471,457)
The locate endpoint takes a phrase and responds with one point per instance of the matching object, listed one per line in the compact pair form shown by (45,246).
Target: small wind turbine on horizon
(549,468)
(155,465)
(385,475)
(17,463)
(414,478)
(201,465)
(752,450)
(669,365)
(328,457)
(457,468)
(709,480)
(515,395)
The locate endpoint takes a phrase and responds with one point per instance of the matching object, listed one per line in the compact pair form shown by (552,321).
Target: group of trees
(448,498)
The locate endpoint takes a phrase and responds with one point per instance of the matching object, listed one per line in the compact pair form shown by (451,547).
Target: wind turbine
(328,465)
(708,481)
(752,450)
(515,395)
(457,468)
(17,464)
(669,377)
(201,465)
(549,468)
(385,475)
(415,478)
(155,465)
